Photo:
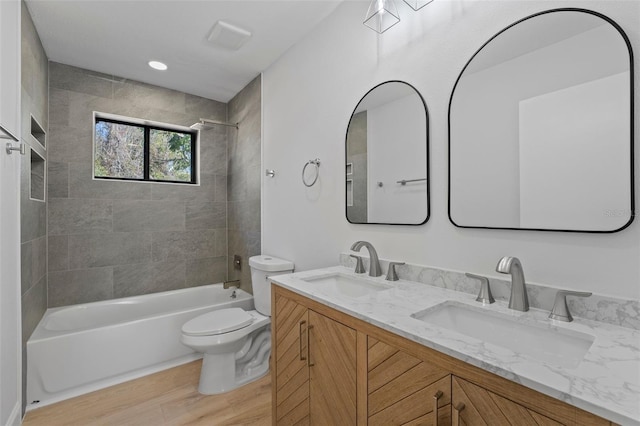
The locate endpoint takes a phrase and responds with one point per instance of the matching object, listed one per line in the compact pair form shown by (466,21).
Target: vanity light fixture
(157,65)
(381,15)
(417,4)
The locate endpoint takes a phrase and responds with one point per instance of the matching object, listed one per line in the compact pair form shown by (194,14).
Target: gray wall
(245,172)
(110,239)
(33,230)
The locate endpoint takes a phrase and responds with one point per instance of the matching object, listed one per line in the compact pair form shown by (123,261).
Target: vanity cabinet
(329,368)
(405,390)
(474,405)
(314,366)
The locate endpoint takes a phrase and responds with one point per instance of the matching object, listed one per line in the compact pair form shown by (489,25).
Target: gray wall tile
(80,286)
(59,106)
(80,216)
(132,216)
(58,179)
(144,278)
(122,248)
(36,300)
(141,233)
(184,245)
(33,219)
(202,192)
(213,154)
(82,185)
(206,271)
(220,188)
(58,252)
(39,258)
(70,144)
(26,262)
(244,180)
(78,80)
(244,215)
(206,215)
(145,96)
(197,106)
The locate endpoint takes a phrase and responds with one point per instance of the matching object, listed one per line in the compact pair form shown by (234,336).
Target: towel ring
(316,163)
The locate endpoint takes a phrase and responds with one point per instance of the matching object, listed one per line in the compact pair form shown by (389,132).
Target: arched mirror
(541,128)
(387,157)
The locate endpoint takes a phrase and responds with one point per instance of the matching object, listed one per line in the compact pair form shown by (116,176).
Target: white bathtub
(82,348)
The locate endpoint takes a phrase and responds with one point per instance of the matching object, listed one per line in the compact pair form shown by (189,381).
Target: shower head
(205,124)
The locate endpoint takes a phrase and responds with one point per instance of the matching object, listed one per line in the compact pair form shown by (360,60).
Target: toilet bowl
(235,343)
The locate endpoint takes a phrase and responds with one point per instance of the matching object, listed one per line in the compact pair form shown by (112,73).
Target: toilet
(236,343)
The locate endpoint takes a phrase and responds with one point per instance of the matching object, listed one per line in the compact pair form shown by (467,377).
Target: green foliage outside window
(120,152)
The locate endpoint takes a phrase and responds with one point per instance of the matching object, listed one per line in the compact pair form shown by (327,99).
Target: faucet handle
(391,272)
(560,309)
(359,266)
(484,296)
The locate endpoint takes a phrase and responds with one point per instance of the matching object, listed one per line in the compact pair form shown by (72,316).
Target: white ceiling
(119,37)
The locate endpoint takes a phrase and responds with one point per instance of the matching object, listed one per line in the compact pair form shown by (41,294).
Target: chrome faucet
(518,300)
(374,262)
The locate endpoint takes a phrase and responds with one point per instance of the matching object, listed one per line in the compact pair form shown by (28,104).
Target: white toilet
(236,343)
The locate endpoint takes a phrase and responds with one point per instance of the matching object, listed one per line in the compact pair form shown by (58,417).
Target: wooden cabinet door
(473,405)
(291,372)
(332,361)
(404,390)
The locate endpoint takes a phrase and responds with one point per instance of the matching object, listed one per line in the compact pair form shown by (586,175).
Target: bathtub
(81,348)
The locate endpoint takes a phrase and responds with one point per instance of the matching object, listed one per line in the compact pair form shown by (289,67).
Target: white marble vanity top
(606,382)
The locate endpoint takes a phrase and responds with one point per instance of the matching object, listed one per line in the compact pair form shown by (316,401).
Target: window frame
(147,126)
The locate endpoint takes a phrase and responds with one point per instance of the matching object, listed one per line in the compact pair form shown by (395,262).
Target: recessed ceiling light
(156,65)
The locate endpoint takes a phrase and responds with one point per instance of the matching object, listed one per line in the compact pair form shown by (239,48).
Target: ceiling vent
(228,36)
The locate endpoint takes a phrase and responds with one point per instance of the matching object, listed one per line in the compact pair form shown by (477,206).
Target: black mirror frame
(426,114)
(631,111)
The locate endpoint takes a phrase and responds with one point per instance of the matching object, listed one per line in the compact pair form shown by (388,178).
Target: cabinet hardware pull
(456,414)
(309,362)
(303,356)
(436,397)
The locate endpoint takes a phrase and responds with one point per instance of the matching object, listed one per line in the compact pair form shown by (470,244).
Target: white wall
(397,149)
(309,95)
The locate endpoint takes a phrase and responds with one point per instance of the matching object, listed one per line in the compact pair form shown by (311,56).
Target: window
(132,151)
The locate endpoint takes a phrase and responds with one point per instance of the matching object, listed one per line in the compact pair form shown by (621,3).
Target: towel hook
(316,163)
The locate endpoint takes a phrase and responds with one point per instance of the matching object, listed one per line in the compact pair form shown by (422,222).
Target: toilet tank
(263,267)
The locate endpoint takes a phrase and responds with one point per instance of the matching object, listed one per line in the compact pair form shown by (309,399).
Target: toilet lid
(218,322)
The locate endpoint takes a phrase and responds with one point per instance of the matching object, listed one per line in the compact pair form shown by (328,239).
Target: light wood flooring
(167,398)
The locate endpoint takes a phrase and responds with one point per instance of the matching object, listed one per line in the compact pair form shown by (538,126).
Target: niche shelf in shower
(38,133)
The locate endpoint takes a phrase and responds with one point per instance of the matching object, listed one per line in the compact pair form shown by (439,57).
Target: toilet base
(222,373)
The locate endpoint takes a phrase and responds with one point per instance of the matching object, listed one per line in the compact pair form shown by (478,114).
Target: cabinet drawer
(403,389)
(478,406)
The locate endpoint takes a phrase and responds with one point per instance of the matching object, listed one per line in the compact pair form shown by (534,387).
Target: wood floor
(167,398)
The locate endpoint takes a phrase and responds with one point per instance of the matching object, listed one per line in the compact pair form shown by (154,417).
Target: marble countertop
(606,382)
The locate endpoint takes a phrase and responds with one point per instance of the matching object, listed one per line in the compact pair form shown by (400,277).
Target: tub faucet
(374,262)
(518,300)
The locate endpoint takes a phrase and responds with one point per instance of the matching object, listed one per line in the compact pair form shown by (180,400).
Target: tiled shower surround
(244,179)
(110,239)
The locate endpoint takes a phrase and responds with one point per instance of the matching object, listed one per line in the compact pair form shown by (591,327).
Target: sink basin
(345,285)
(545,343)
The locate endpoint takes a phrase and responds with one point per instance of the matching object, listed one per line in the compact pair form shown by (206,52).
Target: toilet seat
(218,322)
